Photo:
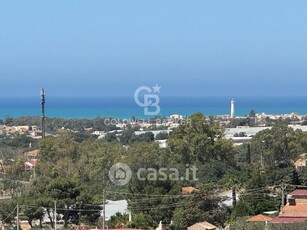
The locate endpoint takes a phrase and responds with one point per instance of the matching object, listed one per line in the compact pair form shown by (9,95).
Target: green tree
(178,220)
(240,210)
(58,156)
(96,158)
(35,201)
(294,178)
(159,200)
(8,211)
(111,137)
(234,181)
(252,113)
(248,154)
(141,220)
(118,220)
(198,141)
(71,197)
(200,206)
(162,136)
(257,196)
(278,144)
(8,120)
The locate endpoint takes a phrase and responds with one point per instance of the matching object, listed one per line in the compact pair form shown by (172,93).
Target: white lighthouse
(232,108)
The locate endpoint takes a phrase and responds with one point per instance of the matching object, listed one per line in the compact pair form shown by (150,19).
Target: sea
(126,107)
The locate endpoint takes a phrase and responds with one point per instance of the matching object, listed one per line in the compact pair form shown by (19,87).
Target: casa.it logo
(120,174)
(150,99)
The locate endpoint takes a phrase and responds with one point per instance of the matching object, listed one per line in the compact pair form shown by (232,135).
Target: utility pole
(80,213)
(55,215)
(104,209)
(43,97)
(130,216)
(17,222)
(283,187)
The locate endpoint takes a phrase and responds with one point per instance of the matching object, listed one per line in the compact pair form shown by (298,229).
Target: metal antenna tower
(43,97)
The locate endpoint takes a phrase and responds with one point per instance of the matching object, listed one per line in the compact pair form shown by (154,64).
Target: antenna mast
(43,97)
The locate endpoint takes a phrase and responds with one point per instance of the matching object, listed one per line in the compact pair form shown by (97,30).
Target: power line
(9,215)
(135,194)
(62,209)
(159,207)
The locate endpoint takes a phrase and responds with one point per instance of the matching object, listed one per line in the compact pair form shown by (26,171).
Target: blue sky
(189,48)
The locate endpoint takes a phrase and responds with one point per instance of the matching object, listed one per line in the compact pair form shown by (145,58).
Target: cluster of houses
(198,226)
(294,117)
(31,159)
(32,131)
(261,119)
(294,211)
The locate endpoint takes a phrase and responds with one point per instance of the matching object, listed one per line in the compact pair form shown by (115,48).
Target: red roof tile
(299,192)
(33,162)
(95,228)
(33,153)
(287,219)
(186,190)
(259,218)
(299,210)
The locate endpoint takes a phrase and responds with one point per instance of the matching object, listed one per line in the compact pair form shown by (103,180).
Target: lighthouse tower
(232,108)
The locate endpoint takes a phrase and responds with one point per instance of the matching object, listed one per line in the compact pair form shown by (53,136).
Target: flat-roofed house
(301,163)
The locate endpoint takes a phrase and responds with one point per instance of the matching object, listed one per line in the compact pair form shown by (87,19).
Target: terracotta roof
(33,161)
(259,218)
(299,192)
(32,153)
(117,229)
(299,210)
(287,219)
(29,164)
(188,189)
(300,162)
(202,225)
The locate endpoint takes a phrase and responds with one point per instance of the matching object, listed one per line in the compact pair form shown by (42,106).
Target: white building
(232,108)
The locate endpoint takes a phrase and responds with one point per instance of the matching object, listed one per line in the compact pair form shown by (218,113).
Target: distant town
(233,154)
(240,128)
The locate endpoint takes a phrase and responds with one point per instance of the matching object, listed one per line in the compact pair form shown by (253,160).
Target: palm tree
(234,183)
